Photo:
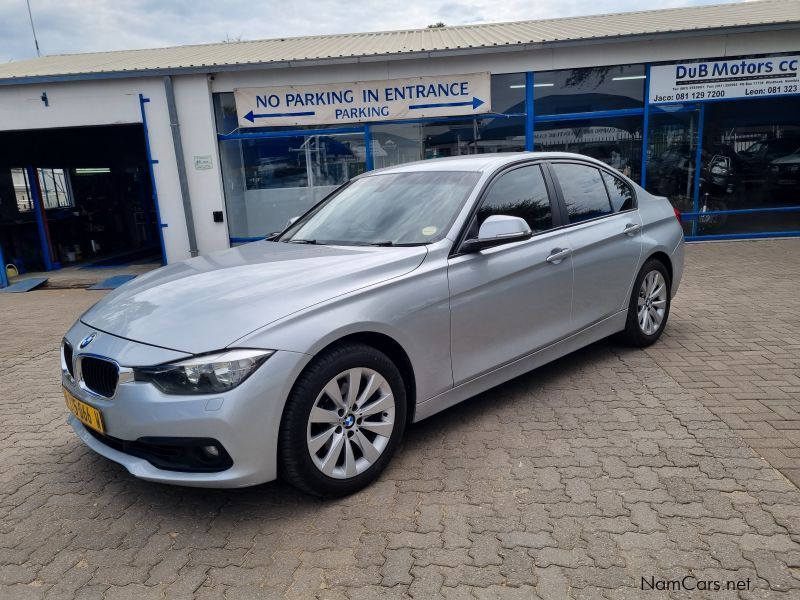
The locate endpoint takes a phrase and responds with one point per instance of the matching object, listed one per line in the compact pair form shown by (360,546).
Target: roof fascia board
(256,66)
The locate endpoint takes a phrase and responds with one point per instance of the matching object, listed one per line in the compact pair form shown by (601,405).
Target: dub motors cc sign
(725,79)
(355,102)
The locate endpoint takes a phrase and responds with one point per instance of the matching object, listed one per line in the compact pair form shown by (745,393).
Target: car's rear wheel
(649,305)
(342,422)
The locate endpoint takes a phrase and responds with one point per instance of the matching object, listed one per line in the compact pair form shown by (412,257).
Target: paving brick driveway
(575,481)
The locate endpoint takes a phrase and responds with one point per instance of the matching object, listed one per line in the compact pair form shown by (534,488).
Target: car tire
(353,454)
(642,330)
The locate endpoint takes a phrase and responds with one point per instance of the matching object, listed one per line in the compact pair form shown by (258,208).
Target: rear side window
(519,193)
(584,192)
(620,192)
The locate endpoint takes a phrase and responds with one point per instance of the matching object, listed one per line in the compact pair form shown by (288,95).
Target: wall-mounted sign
(203,163)
(725,79)
(416,97)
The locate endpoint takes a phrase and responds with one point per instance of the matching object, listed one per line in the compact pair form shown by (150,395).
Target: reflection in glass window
(590,89)
(508,93)
(399,143)
(750,158)
(584,192)
(225,113)
(519,193)
(671,146)
(53,183)
(619,192)
(22,190)
(274,163)
(616,141)
(302,160)
(55,188)
(270,180)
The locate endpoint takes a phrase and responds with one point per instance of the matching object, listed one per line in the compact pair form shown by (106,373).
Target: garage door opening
(77,196)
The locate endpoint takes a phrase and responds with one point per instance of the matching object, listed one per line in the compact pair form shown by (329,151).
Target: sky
(70,26)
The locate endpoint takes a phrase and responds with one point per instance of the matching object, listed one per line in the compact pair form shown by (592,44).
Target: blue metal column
(698,156)
(370,162)
(151,161)
(645,124)
(3,274)
(529,116)
(41,226)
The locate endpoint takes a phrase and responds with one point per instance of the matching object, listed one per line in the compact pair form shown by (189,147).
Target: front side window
(619,192)
(387,209)
(519,193)
(584,192)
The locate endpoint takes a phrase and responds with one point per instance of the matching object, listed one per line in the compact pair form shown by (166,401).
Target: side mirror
(496,231)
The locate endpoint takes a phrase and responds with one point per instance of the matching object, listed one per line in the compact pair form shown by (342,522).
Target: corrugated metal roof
(215,57)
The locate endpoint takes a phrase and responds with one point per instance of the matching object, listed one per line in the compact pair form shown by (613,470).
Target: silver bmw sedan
(402,293)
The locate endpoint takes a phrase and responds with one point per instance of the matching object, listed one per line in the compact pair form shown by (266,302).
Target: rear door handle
(558,254)
(632,229)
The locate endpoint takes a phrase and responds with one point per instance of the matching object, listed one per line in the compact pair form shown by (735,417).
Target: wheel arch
(663,258)
(396,353)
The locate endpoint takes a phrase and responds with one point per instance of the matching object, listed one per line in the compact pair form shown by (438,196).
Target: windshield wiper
(378,244)
(297,241)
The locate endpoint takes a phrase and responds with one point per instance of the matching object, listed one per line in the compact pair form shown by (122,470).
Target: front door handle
(557,255)
(632,229)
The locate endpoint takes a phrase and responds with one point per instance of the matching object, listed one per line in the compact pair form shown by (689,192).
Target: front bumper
(244,420)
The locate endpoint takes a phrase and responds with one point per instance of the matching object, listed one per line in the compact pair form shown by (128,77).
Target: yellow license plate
(88,415)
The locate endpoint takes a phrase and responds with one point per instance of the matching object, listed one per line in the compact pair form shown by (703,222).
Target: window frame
(600,167)
(552,193)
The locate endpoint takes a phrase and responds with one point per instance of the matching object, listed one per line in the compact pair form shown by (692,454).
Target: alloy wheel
(652,302)
(351,423)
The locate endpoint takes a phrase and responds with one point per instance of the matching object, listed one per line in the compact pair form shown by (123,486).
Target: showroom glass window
(671,149)
(584,191)
(617,141)
(502,130)
(588,90)
(750,159)
(519,193)
(272,179)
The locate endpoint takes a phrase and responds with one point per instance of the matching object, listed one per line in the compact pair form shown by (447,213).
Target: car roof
(475,162)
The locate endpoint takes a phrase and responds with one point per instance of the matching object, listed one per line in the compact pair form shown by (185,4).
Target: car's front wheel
(649,305)
(342,422)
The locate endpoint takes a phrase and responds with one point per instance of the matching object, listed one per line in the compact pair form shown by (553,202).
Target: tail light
(677,215)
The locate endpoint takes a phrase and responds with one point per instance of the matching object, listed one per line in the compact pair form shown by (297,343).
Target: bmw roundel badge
(87,340)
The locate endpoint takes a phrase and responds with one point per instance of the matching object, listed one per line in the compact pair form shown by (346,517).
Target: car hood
(208,302)
(789,159)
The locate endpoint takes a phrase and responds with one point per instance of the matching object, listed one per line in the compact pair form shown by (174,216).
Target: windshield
(387,209)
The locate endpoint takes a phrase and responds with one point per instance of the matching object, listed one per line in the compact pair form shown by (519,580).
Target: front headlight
(206,374)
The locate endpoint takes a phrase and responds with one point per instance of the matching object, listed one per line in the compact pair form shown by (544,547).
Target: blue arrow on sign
(252,117)
(475,103)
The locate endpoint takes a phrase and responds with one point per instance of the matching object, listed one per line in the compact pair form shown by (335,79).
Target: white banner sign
(725,79)
(413,98)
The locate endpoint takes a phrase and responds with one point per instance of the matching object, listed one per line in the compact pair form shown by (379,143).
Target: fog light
(211,451)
